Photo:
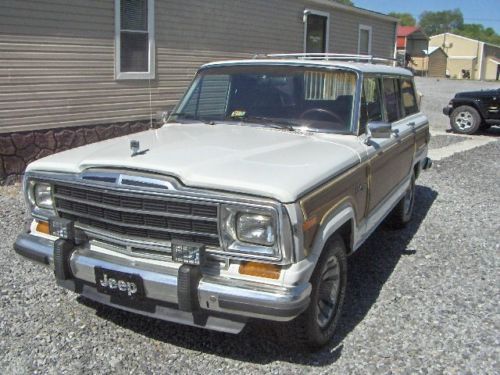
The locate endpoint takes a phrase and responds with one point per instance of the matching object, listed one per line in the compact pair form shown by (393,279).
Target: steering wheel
(334,116)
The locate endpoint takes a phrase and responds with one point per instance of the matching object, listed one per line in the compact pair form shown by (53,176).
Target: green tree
(479,32)
(405,19)
(434,23)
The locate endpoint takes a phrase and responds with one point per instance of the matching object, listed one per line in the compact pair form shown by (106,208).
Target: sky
(485,12)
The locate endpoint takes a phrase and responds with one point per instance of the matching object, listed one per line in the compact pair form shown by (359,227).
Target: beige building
(77,71)
(432,64)
(481,60)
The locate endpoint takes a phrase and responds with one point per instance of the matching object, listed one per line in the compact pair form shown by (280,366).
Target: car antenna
(150,105)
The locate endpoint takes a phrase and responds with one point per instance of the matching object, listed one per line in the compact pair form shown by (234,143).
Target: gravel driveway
(420,300)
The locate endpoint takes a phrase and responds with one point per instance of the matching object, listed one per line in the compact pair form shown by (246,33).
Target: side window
(371,106)
(134,39)
(409,98)
(391,99)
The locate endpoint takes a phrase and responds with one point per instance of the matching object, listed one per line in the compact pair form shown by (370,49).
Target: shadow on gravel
(494,131)
(259,342)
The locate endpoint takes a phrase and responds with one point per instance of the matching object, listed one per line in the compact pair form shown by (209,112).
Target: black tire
(402,214)
(330,273)
(465,120)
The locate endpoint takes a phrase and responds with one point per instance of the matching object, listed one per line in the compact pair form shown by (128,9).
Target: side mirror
(380,129)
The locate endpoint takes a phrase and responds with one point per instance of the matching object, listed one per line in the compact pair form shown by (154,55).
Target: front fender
(474,103)
(302,271)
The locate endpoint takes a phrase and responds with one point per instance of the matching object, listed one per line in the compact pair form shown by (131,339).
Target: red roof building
(412,40)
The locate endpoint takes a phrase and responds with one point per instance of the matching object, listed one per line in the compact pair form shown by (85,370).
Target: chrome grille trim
(131,210)
(152,221)
(128,225)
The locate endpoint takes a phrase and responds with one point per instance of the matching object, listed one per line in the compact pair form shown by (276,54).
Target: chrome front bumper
(225,303)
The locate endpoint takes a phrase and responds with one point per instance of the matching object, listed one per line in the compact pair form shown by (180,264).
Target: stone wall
(17,150)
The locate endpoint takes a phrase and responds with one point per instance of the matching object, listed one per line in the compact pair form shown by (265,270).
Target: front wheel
(465,120)
(316,326)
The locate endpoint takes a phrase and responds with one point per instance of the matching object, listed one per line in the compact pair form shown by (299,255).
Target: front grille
(146,217)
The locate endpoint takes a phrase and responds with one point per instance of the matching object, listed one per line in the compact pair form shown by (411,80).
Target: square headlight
(43,195)
(255,229)
(250,231)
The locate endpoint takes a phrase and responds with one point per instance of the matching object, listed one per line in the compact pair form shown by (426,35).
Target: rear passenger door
(391,159)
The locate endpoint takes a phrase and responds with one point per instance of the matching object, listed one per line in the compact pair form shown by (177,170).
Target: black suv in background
(474,110)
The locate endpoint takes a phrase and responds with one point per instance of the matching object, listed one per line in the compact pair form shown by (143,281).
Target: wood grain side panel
(389,168)
(422,138)
(350,187)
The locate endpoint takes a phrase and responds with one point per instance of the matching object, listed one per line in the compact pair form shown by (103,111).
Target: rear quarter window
(392,99)
(409,97)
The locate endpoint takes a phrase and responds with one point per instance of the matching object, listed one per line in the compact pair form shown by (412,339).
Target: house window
(134,39)
(316,33)
(365,40)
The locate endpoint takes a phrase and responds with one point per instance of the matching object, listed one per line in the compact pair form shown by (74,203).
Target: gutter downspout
(480,61)
(394,64)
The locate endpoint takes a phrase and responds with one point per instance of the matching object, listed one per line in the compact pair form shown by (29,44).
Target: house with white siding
(77,71)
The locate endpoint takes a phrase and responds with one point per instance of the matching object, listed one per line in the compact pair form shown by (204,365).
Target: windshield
(285,96)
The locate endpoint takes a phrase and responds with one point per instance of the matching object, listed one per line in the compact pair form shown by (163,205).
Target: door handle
(412,124)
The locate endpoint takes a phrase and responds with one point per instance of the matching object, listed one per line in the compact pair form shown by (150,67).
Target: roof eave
(357,10)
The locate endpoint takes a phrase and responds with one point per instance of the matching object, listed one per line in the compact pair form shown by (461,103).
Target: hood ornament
(135,147)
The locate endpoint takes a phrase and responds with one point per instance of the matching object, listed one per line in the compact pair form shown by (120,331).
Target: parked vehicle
(245,204)
(474,110)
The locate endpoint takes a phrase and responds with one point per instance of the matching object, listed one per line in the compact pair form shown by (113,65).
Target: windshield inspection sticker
(238,114)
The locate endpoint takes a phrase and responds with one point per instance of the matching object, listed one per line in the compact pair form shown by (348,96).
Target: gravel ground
(420,300)
(438,92)
(439,141)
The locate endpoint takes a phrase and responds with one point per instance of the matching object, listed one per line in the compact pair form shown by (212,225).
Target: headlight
(39,197)
(43,196)
(255,229)
(250,231)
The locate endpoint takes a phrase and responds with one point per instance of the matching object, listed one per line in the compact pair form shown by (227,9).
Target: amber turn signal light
(269,271)
(43,227)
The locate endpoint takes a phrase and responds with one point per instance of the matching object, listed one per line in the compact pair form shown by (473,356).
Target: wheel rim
(408,200)
(328,292)
(464,120)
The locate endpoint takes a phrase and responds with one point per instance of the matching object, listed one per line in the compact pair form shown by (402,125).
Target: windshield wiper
(276,124)
(189,116)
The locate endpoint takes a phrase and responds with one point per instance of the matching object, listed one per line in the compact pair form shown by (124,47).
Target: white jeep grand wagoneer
(245,203)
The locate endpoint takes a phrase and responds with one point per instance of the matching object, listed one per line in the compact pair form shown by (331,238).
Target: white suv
(245,203)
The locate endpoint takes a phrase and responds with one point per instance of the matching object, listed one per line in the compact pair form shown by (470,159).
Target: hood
(265,162)
(475,94)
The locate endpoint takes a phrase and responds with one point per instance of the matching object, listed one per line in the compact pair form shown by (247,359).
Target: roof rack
(328,56)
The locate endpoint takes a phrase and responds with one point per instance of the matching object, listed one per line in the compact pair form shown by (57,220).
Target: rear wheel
(465,120)
(316,326)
